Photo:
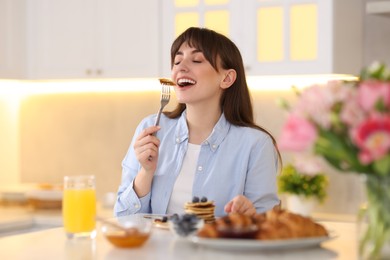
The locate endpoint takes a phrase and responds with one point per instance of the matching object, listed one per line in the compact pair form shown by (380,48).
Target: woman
(209,146)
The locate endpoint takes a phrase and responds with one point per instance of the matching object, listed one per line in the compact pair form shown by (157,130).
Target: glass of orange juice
(79,206)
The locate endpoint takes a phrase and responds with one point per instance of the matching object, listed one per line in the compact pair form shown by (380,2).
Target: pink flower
(316,102)
(307,164)
(351,112)
(297,134)
(373,138)
(370,92)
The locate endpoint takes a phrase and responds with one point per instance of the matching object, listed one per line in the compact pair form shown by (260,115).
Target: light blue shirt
(233,160)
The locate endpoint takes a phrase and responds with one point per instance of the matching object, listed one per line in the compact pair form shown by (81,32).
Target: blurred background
(77,76)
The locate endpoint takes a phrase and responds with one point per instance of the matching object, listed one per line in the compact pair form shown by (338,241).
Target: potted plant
(304,184)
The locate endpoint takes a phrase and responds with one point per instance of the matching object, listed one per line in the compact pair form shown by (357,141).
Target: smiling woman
(201,147)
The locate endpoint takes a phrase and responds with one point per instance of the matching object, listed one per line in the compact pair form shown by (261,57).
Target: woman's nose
(182,66)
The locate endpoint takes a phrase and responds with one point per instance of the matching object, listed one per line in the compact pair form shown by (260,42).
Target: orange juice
(79,210)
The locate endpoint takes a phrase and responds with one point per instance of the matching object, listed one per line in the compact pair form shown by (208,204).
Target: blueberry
(204,199)
(195,199)
(194,219)
(187,217)
(174,218)
(185,224)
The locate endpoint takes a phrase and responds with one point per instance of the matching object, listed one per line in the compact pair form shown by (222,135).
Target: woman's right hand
(146,148)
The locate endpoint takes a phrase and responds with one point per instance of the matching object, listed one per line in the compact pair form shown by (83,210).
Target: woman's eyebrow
(192,52)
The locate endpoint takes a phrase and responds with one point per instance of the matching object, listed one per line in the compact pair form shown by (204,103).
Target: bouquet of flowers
(348,124)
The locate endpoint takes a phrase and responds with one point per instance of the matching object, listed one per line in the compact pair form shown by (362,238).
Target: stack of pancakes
(204,210)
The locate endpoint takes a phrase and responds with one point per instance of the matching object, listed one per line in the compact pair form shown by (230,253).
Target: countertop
(53,244)
(24,219)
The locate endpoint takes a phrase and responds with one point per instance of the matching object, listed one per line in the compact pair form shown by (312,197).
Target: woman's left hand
(240,204)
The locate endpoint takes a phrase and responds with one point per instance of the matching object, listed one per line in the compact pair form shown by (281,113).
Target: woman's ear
(230,78)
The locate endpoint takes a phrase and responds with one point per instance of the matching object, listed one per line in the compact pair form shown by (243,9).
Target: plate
(159,224)
(157,220)
(253,244)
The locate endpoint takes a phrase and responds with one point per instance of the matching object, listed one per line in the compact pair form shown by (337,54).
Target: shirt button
(177,140)
(136,205)
(200,168)
(214,146)
(206,142)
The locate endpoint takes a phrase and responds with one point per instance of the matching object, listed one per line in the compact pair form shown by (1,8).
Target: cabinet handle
(88,72)
(99,72)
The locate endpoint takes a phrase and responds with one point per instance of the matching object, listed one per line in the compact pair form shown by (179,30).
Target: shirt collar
(216,137)
(181,134)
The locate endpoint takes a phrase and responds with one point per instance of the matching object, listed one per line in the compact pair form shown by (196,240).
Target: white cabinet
(92,38)
(12,39)
(280,36)
(307,37)
(378,7)
(223,16)
(86,38)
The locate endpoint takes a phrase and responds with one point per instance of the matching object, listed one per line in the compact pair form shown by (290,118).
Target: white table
(53,244)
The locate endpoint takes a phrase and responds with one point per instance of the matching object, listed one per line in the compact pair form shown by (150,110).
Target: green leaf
(377,70)
(337,150)
(281,102)
(380,105)
(382,166)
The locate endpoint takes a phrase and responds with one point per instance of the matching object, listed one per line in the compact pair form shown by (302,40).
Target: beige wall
(9,139)
(71,134)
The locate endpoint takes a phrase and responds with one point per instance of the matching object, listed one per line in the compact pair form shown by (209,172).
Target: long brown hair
(235,101)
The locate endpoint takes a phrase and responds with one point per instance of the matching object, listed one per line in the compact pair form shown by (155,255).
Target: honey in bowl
(127,232)
(130,238)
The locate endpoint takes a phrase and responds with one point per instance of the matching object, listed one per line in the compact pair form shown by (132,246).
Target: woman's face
(197,82)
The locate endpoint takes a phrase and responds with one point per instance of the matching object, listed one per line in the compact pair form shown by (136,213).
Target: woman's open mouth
(185,82)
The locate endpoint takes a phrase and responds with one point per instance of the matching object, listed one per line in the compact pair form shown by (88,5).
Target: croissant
(282,224)
(275,224)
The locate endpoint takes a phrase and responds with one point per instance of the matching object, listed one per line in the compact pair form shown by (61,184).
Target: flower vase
(374,219)
(300,204)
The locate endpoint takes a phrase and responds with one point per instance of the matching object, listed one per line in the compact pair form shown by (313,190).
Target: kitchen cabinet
(220,15)
(278,37)
(89,39)
(12,39)
(378,7)
(310,37)
(93,38)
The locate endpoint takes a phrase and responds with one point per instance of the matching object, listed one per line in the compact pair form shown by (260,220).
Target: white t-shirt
(182,190)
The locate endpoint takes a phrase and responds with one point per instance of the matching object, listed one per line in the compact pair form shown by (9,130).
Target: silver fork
(164,100)
(165,96)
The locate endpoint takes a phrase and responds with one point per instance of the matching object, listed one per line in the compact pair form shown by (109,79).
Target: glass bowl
(127,232)
(185,225)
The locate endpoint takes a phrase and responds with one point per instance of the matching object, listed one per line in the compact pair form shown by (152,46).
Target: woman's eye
(176,63)
(197,61)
